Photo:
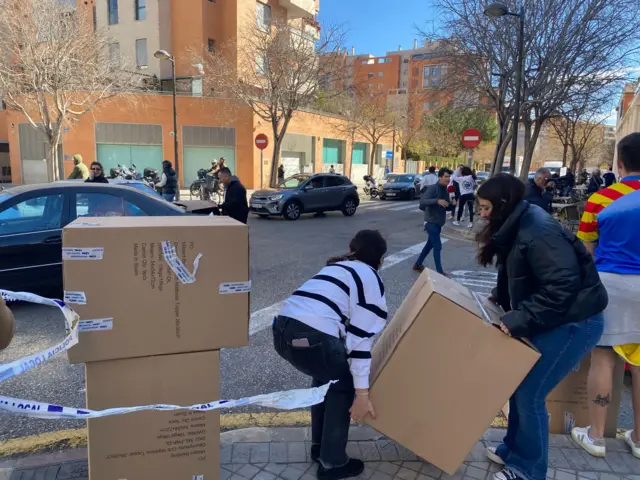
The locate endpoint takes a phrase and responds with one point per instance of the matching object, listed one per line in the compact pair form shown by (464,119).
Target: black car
(401,186)
(32,218)
(323,192)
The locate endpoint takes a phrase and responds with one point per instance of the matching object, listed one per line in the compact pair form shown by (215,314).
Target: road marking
(479,279)
(262,319)
(377,207)
(403,207)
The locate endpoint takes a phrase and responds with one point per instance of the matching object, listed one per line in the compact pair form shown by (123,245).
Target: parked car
(401,186)
(299,194)
(32,218)
(481,177)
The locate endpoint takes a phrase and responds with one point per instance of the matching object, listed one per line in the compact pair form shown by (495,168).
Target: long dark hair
(368,246)
(99,165)
(505,192)
(466,171)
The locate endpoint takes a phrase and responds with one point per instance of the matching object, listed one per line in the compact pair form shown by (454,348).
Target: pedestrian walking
(332,169)
(168,181)
(281,173)
(536,192)
(609,229)
(549,286)
(80,170)
(569,181)
(609,178)
(325,330)
(595,183)
(235,197)
(467,186)
(435,202)
(97,174)
(431,178)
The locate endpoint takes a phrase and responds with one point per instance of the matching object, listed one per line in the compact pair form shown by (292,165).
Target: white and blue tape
(288,400)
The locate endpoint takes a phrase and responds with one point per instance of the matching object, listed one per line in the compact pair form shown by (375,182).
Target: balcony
(299,8)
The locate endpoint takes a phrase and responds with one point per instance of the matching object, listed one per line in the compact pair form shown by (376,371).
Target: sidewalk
(283,453)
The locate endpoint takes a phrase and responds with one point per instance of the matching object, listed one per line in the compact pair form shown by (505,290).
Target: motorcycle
(206,187)
(370,187)
(116,173)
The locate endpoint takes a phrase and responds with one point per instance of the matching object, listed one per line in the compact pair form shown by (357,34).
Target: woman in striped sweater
(325,330)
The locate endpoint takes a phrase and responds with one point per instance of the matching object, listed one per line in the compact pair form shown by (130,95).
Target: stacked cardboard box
(442,369)
(150,332)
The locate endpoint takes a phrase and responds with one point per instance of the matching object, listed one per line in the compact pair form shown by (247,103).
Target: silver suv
(319,193)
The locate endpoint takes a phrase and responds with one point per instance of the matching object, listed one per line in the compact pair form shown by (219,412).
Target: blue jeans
(169,197)
(525,449)
(433,242)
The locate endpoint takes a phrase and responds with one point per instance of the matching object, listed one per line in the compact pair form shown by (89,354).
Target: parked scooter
(206,187)
(371,186)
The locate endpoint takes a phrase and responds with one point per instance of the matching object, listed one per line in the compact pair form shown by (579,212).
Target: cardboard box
(135,305)
(441,371)
(152,445)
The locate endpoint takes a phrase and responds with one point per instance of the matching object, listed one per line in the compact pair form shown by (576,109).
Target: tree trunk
(564,154)
(53,162)
(530,147)
(275,161)
(372,159)
(497,167)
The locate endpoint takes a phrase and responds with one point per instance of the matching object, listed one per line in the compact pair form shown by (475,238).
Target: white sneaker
(635,447)
(493,456)
(470,225)
(505,474)
(597,448)
(457,224)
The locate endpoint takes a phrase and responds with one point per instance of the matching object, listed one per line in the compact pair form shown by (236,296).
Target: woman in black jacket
(551,291)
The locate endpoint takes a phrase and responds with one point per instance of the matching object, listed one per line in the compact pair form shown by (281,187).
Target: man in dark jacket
(595,183)
(435,202)
(537,193)
(235,197)
(609,178)
(168,182)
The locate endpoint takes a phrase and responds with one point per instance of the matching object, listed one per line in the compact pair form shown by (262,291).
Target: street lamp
(498,9)
(164,55)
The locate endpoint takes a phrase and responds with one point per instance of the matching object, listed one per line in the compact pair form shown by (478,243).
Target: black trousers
(324,359)
(464,199)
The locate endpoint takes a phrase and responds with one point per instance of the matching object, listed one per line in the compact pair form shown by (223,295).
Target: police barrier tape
(288,400)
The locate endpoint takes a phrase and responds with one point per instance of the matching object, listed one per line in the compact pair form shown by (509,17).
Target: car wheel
(382,197)
(349,207)
(292,211)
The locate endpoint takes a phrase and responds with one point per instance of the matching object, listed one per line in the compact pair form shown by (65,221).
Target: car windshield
(400,179)
(141,187)
(293,182)
(483,174)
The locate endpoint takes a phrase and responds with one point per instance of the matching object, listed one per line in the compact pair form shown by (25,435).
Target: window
(380,74)
(317,182)
(433,75)
(114,54)
(112,7)
(380,85)
(334,181)
(370,75)
(263,15)
(416,71)
(141,53)
(141,9)
(211,45)
(370,87)
(261,64)
(33,215)
(105,205)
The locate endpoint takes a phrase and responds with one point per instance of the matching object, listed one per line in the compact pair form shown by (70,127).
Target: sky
(379,26)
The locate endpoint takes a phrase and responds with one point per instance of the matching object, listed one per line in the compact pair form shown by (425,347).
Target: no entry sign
(471,138)
(262,141)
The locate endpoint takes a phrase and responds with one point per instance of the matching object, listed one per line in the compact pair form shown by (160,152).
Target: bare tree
(573,49)
(275,70)
(54,67)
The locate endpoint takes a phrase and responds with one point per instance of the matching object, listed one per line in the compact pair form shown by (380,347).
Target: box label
(75,298)
(175,264)
(235,287)
(82,253)
(95,325)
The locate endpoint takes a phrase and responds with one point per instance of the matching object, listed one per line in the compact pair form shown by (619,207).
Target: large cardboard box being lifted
(441,371)
(120,277)
(154,445)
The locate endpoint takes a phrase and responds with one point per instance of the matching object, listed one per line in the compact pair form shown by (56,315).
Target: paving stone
(275,468)
(381,476)
(588,475)
(246,435)
(478,453)
(406,474)
(632,477)
(290,435)
(225,474)
(475,473)
(353,450)
(264,476)
(291,473)
(616,445)
(278,453)
(563,475)
(259,452)
(388,450)
(237,477)
(369,451)
(425,477)
(416,466)
(431,471)
(494,467)
(494,435)
(560,441)
(610,476)
(234,467)
(576,458)
(225,454)
(364,433)
(483,465)
(241,453)
(248,471)
(632,462)
(551,473)
(388,468)
(297,452)
(73,471)
(406,454)
(595,464)
(557,459)
(308,476)
(368,473)
(458,475)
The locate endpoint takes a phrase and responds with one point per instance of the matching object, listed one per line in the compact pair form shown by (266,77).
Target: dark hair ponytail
(368,246)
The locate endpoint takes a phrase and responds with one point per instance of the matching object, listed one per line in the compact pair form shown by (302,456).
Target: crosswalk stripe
(403,207)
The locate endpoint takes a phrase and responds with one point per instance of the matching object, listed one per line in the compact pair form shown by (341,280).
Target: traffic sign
(262,141)
(471,138)
(388,155)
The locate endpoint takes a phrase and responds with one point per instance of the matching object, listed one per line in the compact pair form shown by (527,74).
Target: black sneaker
(315,453)
(418,268)
(353,468)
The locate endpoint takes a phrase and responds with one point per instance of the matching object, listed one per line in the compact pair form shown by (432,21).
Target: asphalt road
(283,256)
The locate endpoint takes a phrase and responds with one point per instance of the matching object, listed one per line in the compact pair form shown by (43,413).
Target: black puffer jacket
(546,278)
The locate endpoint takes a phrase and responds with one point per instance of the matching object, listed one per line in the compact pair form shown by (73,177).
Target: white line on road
(403,207)
(379,206)
(261,319)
